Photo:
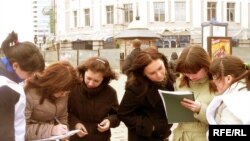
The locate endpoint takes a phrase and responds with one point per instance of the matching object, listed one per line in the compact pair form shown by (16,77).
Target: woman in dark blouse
(141,108)
(93,104)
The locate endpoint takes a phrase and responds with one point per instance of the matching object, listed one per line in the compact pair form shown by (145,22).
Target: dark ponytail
(10,41)
(26,54)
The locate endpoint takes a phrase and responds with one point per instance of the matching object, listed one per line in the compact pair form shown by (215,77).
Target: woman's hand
(83,131)
(194,106)
(103,126)
(59,129)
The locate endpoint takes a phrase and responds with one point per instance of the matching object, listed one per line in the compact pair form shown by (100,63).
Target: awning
(141,33)
(96,36)
(137,29)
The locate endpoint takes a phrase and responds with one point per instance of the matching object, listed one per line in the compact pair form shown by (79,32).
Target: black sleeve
(114,121)
(127,64)
(129,113)
(8,99)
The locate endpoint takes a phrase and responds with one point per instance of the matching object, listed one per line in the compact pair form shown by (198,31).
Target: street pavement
(120,133)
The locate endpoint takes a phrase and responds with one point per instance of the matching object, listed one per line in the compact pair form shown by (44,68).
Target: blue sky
(16,15)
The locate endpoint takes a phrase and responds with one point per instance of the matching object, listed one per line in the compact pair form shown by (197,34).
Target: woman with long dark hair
(141,108)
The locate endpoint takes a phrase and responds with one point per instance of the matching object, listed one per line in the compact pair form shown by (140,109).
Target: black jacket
(129,59)
(90,107)
(144,115)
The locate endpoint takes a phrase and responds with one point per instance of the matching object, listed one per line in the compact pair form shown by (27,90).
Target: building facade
(41,10)
(179,22)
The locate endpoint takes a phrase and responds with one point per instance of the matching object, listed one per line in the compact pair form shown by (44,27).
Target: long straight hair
(136,74)
(231,65)
(191,60)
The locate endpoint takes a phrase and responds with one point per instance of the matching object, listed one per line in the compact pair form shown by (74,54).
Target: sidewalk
(119,133)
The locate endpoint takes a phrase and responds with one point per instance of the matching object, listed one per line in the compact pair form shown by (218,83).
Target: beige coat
(195,131)
(40,117)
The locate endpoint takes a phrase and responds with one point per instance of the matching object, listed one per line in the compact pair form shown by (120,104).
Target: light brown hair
(230,65)
(136,43)
(191,60)
(60,76)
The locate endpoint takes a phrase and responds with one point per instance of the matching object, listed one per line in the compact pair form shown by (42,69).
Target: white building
(41,19)
(98,20)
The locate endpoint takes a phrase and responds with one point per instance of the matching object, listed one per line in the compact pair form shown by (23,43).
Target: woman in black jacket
(141,108)
(93,103)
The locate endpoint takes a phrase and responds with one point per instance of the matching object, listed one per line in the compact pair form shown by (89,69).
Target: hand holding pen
(59,129)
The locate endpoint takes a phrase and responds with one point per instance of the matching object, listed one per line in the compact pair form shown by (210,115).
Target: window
(159,11)
(211,11)
(180,11)
(87,17)
(110,14)
(75,18)
(128,13)
(230,12)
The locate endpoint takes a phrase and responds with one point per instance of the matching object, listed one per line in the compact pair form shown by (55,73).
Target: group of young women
(55,99)
(58,98)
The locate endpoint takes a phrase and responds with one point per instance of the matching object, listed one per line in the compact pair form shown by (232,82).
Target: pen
(56,119)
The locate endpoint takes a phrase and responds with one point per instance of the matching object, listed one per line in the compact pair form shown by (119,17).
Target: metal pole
(54,25)
(77,59)
(54,14)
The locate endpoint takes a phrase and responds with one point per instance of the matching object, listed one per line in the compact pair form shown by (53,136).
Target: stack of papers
(58,137)
(175,112)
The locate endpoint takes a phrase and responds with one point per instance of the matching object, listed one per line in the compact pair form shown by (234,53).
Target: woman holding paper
(47,96)
(232,78)
(193,65)
(93,103)
(141,108)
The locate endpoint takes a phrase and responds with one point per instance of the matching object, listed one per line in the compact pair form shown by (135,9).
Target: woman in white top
(18,63)
(232,79)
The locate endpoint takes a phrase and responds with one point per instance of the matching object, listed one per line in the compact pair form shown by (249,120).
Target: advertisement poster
(219,47)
